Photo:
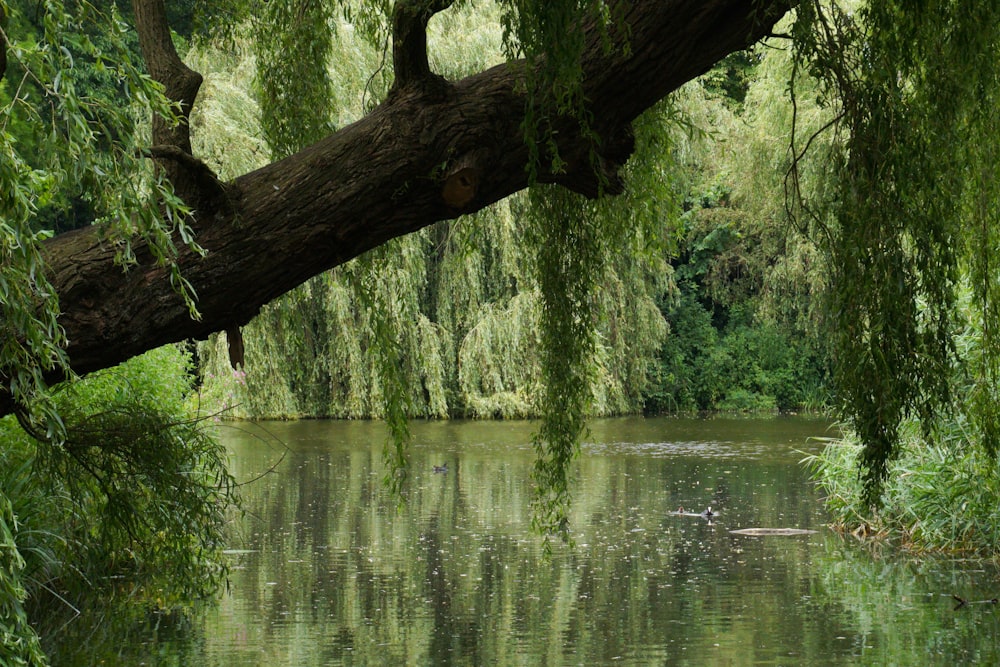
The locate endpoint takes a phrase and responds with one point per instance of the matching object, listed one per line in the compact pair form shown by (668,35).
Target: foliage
(942,493)
(574,242)
(293,93)
(899,198)
(130,504)
(498,368)
(382,303)
(548,36)
(339,345)
(467,285)
(744,319)
(911,83)
(149,472)
(313,352)
(745,365)
(19,645)
(771,150)
(56,136)
(730,78)
(569,244)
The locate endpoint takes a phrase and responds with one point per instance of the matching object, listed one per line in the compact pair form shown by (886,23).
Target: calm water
(327,570)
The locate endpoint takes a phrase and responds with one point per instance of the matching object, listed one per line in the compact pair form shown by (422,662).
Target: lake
(330,570)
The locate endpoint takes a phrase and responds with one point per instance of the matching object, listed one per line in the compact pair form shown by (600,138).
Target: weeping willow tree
(209,245)
(452,320)
(906,213)
(469,286)
(197,230)
(773,134)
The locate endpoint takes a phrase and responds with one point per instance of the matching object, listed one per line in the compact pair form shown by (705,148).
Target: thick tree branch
(414,160)
(210,191)
(409,42)
(181,85)
(164,65)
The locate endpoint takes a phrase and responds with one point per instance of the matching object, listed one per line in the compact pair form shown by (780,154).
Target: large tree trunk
(432,151)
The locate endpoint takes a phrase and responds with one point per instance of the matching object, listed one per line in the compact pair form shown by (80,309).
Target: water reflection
(330,571)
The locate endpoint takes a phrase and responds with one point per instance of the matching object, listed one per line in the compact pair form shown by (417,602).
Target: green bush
(130,505)
(686,378)
(741,366)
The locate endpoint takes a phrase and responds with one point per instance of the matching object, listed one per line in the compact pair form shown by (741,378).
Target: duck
(708,514)
(441,468)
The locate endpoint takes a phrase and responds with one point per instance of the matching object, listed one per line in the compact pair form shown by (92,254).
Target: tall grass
(19,644)
(941,496)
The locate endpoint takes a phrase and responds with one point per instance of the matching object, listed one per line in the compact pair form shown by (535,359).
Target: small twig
(271,469)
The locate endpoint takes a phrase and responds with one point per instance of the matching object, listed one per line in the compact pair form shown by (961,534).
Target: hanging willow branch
(569,243)
(910,80)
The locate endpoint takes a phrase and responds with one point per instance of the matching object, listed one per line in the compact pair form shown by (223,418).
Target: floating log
(962,601)
(760,532)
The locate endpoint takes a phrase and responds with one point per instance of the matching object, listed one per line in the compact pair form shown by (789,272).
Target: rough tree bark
(435,149)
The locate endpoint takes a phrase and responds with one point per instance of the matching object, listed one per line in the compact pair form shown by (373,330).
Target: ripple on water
(707,449)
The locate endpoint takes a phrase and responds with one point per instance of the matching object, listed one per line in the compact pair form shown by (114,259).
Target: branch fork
(409,44)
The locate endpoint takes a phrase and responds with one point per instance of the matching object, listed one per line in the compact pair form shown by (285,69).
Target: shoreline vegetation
(942,498)
(128,513)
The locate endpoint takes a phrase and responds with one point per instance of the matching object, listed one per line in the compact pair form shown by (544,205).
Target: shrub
(131,503)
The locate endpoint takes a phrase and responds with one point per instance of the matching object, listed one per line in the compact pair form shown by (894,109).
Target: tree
(904,211)
(433,150)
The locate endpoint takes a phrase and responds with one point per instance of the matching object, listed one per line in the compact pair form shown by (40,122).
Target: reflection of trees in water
(456,575)
(902,607)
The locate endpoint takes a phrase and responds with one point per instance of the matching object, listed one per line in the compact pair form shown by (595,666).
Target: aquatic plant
(941,496)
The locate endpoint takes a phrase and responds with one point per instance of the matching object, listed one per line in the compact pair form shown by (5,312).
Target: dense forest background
(711,305)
